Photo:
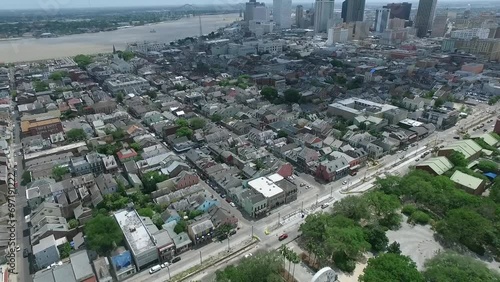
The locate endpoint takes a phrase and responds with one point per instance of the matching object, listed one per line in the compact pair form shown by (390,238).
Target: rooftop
(466,180)
(439,165)
(26,125)
(135,232)
(266,186)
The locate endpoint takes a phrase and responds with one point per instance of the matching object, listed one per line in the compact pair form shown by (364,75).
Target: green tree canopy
(73,223)
(451,267)
(58,172)
(262,267)
(394,248)
(180,227)
(458,159)
(184,131)
(375,235)
(103,234)
(292,96)
(197,123)
(119,97)
(26,177)
(76,134)
(391,267)
(182,122)
(127,55)
(58,75)
(487,166)
(216,118)
(83,60)
(282,133)
(269,93)
(352,207)
(149,180)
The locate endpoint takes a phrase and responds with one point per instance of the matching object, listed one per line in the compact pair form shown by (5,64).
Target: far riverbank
(31,49)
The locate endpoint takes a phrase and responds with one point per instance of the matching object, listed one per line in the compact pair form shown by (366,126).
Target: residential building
(353,10)
(81,266)
(102,269)
(42,126)
(323,15)
(126,155)
(282,10)
(274,188)
(138,239)
(123,264)
(46,252)
(106,183)
(332,170)
(399,10)
(425,17)
(201,231)
(352,107)
(78,269)
(468,183)
(381,19)
(125,83)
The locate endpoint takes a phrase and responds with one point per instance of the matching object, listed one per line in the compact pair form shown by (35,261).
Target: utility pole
(331,191)
(228,244)
(278,219)
(201,30)
(201,261)
(317,199)
(302,206)
(252,231)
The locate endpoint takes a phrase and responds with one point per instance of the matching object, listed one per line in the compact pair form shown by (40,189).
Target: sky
(62,4)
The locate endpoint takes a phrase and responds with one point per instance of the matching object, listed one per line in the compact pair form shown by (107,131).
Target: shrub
(409,210)
(420,217)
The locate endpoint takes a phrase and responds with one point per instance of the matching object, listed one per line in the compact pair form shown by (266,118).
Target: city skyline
(74,4)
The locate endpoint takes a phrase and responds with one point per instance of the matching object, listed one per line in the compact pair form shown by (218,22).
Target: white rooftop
(134,230)
(265,186)
(275,177)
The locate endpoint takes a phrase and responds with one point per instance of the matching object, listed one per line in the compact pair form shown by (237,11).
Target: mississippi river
(31,49)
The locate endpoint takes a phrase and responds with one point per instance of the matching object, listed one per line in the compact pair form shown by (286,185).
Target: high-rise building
(282,10)
(425,16)
(353,10)
(255,11)
(440,25)
(399,10)
(299,16)
(382,19)
(323,15)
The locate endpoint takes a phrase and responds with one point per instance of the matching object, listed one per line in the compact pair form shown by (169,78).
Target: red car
(228,200)
(283,237)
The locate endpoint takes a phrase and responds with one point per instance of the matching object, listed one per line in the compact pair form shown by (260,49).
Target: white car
(232,204)
(248,255)
(344,182)
(163,265)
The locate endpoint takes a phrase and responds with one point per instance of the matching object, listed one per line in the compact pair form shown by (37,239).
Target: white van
(154,269)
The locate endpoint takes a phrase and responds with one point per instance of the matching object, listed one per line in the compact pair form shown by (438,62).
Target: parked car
(232,204)
(25,253)
(248,255)
(344,182)
(228,200)
(154,269)
(176,259)
(163,265)
(283,237)
(324,206)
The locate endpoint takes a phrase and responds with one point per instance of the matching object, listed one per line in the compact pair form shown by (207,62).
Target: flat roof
(439,165)
(135,232)
(54,150)
(265,186)
(466,180)
(411,122)
(26,125)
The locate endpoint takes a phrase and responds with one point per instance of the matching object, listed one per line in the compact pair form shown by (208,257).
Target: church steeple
(114,49)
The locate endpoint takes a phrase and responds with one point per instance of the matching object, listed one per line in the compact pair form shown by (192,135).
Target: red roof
(125,154)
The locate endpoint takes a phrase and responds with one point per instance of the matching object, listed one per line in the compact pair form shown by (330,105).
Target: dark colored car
(25,253)
(283,237)
(176,259)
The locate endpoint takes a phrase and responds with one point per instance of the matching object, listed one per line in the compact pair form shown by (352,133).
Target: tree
(352,207)
(146,212)
(127,55)
(65,250)
(282,134)
(180,227)
(394,248)
(451,267)
(152,94)
(83,60)
(467,227)
(135,146)
(262,267)
(119,97)
(149,180)
(58,75)
(58,172)
(197,123)
(382,204)
(391,267)
(73,223)
(375,235)
(487,166)
(420,217)
(269,93)
(216,118)
(76,134)
(292,96)
(184,131)
(40,86)
(458,159)
(182,122)
(26,177)
(103,234)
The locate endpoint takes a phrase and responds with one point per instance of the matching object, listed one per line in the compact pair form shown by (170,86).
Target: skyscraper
(399,10)
(323,15)
(255,11)
(299,16)
(382,19)
(282,10)
(425,16)
(353,10)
